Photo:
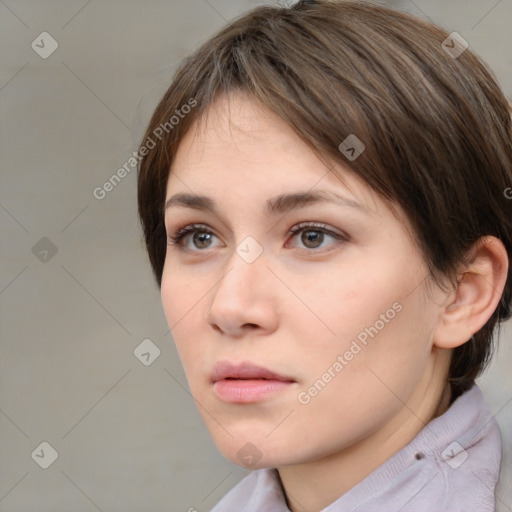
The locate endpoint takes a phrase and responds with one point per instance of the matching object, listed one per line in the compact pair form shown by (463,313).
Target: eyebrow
(280,204)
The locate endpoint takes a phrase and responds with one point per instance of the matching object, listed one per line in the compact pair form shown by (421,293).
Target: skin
(301,303)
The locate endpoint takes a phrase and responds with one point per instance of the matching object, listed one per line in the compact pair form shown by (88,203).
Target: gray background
(128,436)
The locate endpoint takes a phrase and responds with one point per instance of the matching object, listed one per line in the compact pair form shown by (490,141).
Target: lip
(244,371)
(246,382)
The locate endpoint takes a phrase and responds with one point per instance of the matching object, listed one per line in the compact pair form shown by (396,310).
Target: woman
(325,197)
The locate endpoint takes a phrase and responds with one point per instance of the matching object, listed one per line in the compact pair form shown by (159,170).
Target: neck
(313,485)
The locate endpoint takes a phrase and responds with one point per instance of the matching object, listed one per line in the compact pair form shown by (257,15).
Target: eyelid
(321,226)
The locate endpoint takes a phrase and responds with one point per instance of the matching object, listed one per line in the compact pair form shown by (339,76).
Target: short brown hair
(436,127)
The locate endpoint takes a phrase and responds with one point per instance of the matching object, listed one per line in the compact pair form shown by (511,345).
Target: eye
(182,234)
(313,235)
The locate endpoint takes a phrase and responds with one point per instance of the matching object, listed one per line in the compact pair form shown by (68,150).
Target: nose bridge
(246,265)
(242,295)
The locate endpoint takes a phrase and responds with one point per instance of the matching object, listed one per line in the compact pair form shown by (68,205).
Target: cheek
(182,290)
(377,320)
(181,298)
(346,398)
(395,346)
(344,305)
(171,294)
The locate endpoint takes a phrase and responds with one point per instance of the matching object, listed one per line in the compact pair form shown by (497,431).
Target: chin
(258,451)
(250,456)
(250,450)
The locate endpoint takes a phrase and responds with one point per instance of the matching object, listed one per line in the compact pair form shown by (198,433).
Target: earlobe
(477,295)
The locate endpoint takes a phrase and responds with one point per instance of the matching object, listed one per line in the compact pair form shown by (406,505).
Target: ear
(476,297)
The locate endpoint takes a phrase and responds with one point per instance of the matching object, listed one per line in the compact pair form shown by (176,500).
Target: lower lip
(240,391)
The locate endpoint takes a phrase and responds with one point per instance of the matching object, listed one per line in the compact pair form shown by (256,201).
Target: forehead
(243,149)
(237,128)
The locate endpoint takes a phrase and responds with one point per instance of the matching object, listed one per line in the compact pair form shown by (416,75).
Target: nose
(244,300)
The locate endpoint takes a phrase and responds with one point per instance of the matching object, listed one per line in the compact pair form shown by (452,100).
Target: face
(298,322)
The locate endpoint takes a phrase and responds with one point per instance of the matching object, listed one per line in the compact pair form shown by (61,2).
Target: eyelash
(180,233)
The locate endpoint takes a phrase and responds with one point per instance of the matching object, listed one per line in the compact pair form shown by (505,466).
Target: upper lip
(225,370)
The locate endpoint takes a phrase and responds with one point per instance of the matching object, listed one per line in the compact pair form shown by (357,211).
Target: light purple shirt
(457,471)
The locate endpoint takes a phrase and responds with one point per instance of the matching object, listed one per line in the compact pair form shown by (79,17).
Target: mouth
(246,382)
